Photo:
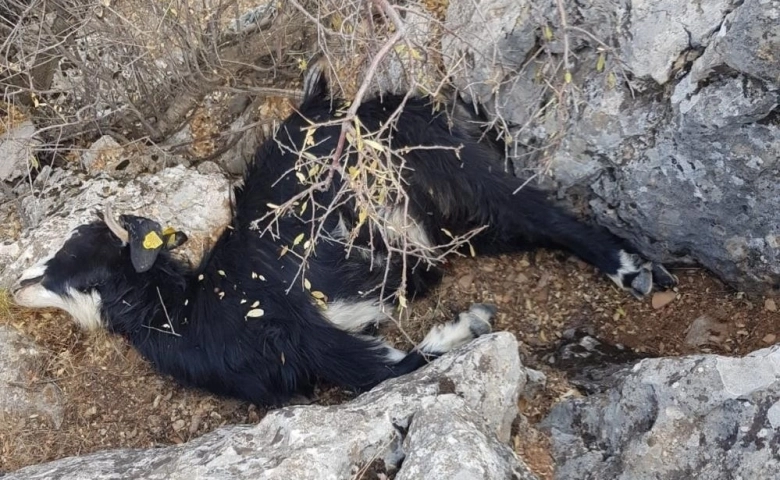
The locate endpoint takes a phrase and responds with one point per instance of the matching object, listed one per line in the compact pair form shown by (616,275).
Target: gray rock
(489,42)
(703,416)
(687,173)
(16,150)
(445,420)
(749,42)
(445,441)
(660,30)
(180,197)
(22,394)
(102,155)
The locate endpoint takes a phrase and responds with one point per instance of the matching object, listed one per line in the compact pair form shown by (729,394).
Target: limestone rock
(703,416)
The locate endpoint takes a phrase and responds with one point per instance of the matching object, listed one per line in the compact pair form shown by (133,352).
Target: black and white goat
(234,326)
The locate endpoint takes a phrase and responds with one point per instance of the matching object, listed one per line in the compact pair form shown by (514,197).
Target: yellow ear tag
(152,241)
(168,231)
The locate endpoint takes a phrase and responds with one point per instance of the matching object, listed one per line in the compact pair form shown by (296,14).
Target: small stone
(769,338)
(178,424)
(465,281)
(770,305)
(705,329)
(662,299)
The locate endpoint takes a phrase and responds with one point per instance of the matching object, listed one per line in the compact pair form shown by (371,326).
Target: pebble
(770,305)
(465,281)
(769,338)
(662,299)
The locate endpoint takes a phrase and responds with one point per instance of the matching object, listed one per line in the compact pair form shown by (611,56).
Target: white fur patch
(397,225)
(83,307)
(443,338)
(354,316)
(393,355)
(468,325)
(629,263)
(340,231)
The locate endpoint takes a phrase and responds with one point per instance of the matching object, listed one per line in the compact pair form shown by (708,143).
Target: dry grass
(10,117)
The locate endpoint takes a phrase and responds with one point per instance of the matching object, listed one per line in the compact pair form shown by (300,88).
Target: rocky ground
(113,399)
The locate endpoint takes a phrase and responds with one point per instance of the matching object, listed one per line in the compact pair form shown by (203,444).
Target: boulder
(190,201)
(448,420)
(668,133)
(702,416)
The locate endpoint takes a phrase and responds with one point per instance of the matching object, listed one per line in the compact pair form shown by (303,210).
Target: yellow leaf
(285,249)
(375,145)
(567,77)
(221,272)
(601,62)
(272,206)
(256,304)
(282,357)
(318,294)
(402,301)
(303,207)
(298,239)
(309,140)
(314,171)
(358,134)
(301,177)
(472,251)
(362,215)
(548,33)
(611,80)
(306,284)
(306,244)
(447,232)
(152,241)
(354,172)
(255,313)
(336,22)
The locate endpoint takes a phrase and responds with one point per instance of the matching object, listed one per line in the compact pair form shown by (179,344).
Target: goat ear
(145,241)
(173,238)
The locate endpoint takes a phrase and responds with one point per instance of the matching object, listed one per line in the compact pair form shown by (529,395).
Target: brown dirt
(115,400)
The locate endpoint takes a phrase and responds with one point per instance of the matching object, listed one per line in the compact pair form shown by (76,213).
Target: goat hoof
(481,318)
(637,276)
(642,283)
(663,277)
